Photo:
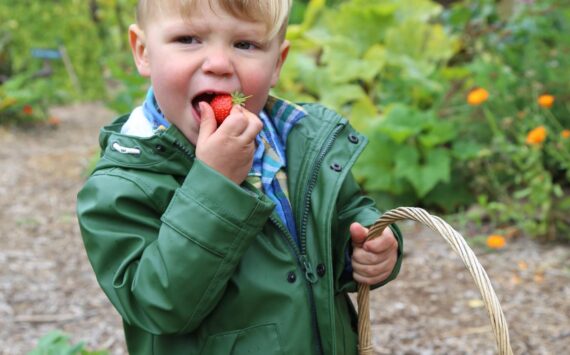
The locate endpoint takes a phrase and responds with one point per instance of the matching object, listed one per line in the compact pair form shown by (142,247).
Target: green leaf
(364,23)
(450,195)
(58,343)
(336,96)
(440,133)
(401,122)
(423,177)
(376,164)
(363,114)
(423,10)
(422,41)
(344,66)
(466,149)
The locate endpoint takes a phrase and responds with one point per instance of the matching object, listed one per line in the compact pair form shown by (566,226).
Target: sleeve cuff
(215,209)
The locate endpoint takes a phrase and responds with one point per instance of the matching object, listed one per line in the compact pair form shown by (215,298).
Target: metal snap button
(353,138)
(160,148)
(336,167)
(321,270)
(291,277)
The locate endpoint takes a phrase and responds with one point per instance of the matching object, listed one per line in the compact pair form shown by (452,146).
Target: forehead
(202,17)
(186,9)
(272,14)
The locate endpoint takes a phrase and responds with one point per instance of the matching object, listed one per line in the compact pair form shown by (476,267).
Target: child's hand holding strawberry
(228,148)
(373,260)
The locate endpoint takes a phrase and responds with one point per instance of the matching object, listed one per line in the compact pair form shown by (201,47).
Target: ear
(283,51)
(137,41)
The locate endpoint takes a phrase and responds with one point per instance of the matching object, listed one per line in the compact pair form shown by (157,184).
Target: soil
(46,282)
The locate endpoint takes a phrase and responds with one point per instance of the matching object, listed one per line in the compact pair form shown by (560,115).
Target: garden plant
(466,104)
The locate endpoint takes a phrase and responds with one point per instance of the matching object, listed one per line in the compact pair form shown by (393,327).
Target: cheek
(170,87)
(167,77)
(257,85)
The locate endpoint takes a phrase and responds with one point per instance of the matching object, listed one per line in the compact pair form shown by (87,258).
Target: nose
(218,61)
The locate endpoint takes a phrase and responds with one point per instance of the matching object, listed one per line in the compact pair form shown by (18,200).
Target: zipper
(180,146)
(300,251)
(311,185)
(302,261)
(188,154)
(308,268)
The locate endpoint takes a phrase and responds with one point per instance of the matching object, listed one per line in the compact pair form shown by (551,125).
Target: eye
(245,45)
(186,39)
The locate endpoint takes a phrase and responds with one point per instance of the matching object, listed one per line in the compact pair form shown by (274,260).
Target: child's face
(209,52)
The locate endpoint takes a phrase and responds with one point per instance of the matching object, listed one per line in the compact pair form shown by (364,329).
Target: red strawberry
(222,104)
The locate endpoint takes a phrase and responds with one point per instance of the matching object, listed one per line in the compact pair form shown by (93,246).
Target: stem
(558,125)
(492,123)
(554,120)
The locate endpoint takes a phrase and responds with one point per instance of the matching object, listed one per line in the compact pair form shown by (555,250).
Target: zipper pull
(308,268)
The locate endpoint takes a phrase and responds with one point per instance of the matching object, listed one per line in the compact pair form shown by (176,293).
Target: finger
(236,122)
(358,234)
(370,271)
(372,274)
(364,257)
(208,124)
(384,243)
(373,264)
(255,125)
(370,280)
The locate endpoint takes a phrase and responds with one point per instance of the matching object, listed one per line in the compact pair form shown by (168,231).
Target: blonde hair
(273,13)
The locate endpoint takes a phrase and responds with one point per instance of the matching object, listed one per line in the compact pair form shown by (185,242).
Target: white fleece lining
(138,125)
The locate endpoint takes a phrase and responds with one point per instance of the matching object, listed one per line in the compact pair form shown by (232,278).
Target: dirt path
(46,282)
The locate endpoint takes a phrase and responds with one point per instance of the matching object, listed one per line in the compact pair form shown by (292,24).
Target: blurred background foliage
(466,103)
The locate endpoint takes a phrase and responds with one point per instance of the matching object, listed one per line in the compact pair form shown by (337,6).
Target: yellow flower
(536,136)
(477,96)
(565,134)
(496,241)
(545,101)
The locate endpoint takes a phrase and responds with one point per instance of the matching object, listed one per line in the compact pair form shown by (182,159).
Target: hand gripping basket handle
(459,245)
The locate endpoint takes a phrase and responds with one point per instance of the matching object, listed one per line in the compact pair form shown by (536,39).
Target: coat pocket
(257,340)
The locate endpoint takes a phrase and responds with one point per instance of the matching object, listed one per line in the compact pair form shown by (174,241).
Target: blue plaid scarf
(269,161)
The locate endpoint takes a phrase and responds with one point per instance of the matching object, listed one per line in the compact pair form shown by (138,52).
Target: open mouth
(203,97)
(206,96)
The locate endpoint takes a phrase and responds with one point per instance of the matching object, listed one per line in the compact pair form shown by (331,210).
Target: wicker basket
(459,245)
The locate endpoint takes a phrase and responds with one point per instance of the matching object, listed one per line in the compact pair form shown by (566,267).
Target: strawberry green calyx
(238,98)
(222,104)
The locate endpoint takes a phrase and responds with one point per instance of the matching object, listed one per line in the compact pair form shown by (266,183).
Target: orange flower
(28,110)
(545,101)
(565,134)
(496,241)
(536,136)
(477,96)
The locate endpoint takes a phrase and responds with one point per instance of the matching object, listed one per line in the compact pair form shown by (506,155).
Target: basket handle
(497,318)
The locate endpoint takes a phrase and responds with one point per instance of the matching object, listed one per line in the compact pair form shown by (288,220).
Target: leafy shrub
(93,37)
(405,73)
(523,177)
(380,63)
(58,343)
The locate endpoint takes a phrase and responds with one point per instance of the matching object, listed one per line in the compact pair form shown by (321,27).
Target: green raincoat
(196,264)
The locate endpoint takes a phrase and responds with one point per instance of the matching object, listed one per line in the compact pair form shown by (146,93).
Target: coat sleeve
(164,272)
(353,206)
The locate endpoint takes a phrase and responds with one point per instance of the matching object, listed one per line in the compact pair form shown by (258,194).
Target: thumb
(208,124)
(358,234)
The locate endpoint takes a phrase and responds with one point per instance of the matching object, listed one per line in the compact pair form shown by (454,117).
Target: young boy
(242,237)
